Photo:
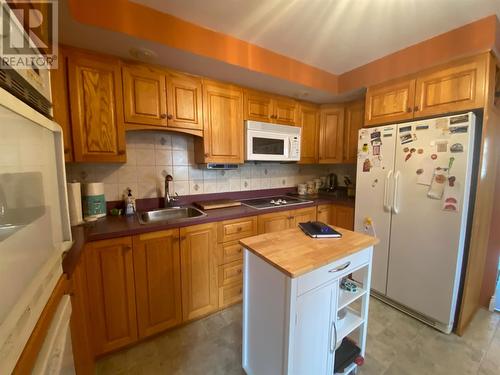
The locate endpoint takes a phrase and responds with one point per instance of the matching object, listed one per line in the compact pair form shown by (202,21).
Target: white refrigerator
(413,191)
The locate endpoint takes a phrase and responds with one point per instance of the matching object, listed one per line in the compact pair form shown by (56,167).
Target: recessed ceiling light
(143,54)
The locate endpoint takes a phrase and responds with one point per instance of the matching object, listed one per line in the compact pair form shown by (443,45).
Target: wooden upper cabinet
(260,106)
(111,290)
(157,281)
(144,95)
(390,102)
(184,97)
(354,117)
(95,92)
(456,87)
(199,270)
(60,102)
(309,122)
(223,126)
(285,111)
(331,134)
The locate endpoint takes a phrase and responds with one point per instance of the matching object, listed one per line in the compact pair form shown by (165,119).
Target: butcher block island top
(294,253)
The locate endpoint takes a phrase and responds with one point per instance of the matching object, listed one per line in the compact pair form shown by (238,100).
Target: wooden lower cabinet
(276,221)
(157,281)
(230,294)
(83,353)
(111,290)
(199,270)
(342,216)
(303,215)
(324,213)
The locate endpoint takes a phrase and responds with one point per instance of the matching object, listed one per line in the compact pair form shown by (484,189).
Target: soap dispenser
(129,203)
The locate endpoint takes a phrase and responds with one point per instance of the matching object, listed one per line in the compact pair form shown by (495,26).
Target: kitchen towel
(75,203)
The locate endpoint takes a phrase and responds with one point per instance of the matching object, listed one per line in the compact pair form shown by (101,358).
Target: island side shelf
(290,321)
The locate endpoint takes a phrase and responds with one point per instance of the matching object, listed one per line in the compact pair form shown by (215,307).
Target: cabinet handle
(340,268)
(121,152)
(408,109)
(182,238)
(333,341)
(170,117)
(127,247)
(240,271)
(239,229)
(416,108)
(163,115)
(206,154)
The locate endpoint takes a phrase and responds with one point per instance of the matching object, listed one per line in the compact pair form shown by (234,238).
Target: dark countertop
(121,226)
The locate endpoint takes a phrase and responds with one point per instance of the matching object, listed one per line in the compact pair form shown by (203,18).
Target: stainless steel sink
(173,214)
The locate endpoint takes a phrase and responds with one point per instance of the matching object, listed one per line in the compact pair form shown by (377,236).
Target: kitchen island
(295,311)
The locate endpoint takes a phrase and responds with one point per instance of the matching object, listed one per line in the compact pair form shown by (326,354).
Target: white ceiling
(334,35)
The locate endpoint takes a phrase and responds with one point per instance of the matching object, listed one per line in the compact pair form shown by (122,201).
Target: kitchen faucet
(169,200)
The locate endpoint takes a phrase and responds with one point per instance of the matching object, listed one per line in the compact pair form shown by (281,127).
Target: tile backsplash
(153,155)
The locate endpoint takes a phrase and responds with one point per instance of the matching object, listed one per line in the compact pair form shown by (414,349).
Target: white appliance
(413,190)
(29,84)
(271,142)
(34,221)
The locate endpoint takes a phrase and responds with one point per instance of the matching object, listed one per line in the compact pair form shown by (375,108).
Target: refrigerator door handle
(395,199)
(387,206)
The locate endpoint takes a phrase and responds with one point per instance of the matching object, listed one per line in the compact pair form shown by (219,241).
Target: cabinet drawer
(230,230)
(332,271)
(229,252)
(231,273)
(230,294)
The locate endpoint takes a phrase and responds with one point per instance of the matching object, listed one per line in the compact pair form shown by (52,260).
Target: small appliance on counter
(351,189)
(94,203)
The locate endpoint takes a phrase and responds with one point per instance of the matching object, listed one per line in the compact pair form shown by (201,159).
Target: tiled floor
(397,344)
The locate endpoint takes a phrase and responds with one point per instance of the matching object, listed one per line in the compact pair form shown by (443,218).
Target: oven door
(267,146)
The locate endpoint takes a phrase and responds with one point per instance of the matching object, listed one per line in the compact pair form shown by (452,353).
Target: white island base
(291,325)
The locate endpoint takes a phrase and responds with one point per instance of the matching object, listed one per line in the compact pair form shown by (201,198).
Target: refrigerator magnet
(408,156)
(405,129)
(434,156)
(365,147)
(457,129)
(375,135)
(420,151)
(451,198)
(375,182)
(442,124)
(456,147)
(376,150)
(367,165)
(441,146)
(406,138)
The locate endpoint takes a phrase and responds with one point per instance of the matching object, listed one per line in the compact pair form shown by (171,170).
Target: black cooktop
(271,202)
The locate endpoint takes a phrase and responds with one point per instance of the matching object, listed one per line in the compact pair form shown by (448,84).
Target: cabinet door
(258,106)
(452,89)
(313,342)
(184,102)
(303,215)
(110,280)
(157,281)
(60,102)
(309,122)
(285,111)
(343,216)
(83,353)
(223,125)
(274,221)
(354,117)
(95,92)
(331,135)
(324,213)
(144,95)
(199,270)
(390,102)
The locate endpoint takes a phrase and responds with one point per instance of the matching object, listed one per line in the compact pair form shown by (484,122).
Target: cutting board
(219,203)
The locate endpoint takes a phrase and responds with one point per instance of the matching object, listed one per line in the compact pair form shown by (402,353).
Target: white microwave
(271,142)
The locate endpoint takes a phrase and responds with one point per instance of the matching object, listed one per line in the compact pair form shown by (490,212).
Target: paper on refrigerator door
(439,180)
(427,172)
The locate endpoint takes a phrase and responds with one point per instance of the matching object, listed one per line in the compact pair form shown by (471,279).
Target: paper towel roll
(75,203)
(93,188)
